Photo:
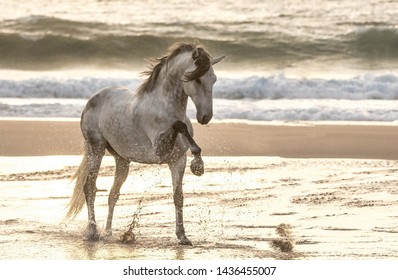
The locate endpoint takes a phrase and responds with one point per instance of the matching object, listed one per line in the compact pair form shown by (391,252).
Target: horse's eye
(198,81)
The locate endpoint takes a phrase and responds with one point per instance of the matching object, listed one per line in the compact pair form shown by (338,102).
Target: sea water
(286,60)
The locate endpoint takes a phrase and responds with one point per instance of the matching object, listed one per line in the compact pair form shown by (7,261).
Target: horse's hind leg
(122,171)
(95,153)
(177,173)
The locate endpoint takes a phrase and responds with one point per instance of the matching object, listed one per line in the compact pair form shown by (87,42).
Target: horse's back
(101,106)
(127,122)
(108,97)
(111,118)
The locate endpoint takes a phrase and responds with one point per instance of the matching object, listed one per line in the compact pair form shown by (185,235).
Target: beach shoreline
(42,137)
(332,185)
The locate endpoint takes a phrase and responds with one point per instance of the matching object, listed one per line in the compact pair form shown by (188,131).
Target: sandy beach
(39,137)
(270,191)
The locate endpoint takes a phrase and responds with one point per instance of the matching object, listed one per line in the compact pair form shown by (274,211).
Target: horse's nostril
(205,119)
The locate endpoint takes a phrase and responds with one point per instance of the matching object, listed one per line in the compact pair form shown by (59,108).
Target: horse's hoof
(197,167)
(92,233)
(108,232)
(185,242)
(93,237)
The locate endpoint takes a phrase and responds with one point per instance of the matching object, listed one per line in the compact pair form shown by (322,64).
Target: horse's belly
(130,142)
(137,150)
(131,129)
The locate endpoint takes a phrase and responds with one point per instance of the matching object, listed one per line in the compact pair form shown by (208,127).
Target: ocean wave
(368,86)
(254,110)
(40,42)
(38,51)
(60,88)
(376,42)
(306,110)
(56,110)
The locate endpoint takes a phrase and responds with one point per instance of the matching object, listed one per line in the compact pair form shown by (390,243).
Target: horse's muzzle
(205,119)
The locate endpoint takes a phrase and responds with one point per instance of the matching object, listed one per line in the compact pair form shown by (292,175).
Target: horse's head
(198,81)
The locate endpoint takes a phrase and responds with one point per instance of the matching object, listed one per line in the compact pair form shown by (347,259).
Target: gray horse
(148,126)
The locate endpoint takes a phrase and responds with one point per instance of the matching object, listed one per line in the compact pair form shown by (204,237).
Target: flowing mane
(200,56)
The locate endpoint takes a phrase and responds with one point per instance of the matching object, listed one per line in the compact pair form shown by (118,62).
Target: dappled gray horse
(148,126)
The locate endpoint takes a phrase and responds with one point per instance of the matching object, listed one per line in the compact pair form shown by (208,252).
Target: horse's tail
(78,197)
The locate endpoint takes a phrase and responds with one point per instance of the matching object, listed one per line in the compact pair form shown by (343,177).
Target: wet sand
(303,140)
(304,205)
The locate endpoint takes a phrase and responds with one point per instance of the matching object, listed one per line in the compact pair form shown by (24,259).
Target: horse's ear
(197,53)
(217,59)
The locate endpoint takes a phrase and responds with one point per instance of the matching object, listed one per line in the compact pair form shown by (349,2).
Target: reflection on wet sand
(260,208)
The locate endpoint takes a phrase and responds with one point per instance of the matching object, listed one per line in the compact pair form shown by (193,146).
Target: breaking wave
(368,86)
(40,42)
(363,98)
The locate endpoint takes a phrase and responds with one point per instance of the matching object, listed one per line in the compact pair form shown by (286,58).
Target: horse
(147,126)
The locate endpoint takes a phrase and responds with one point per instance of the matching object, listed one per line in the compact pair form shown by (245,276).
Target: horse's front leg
(165,143)
(177,169)
(197,165)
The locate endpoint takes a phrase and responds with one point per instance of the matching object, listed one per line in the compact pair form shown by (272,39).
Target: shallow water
(335,209)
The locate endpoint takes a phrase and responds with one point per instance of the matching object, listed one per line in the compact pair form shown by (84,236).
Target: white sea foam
(363,98)
(306,110)
(60,88)
(254,110)
(367,86)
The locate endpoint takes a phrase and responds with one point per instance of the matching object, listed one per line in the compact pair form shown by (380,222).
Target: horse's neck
(170,86)
(165,101)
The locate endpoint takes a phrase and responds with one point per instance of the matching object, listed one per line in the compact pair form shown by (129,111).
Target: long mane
(201,60)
